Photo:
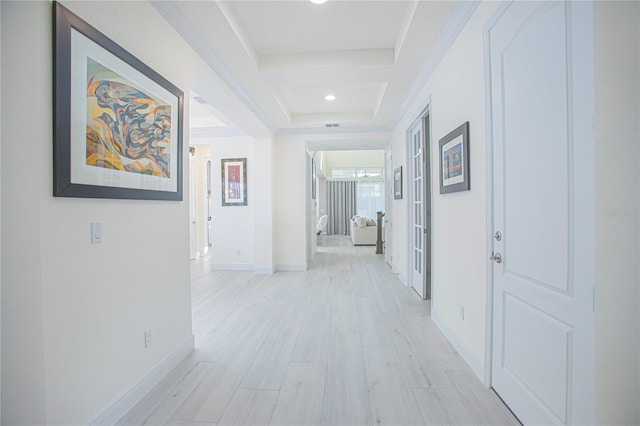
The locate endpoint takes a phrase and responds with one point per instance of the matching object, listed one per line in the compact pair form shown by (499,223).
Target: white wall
(291,206)
(617,95)
(459,257)
(73,313)
(364,158)
(264,175)
(233,226)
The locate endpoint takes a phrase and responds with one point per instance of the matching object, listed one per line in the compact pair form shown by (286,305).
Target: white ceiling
(283,57)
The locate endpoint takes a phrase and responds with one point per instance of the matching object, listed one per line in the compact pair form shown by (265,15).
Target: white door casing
(193,233)
(415,192)
(388,207)
(540,63)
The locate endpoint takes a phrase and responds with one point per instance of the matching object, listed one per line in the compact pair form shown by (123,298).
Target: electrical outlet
(147,338)
(462,312)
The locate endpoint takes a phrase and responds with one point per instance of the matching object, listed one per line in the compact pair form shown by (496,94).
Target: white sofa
(363,233)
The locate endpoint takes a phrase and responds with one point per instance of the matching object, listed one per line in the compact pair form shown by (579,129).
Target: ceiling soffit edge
(238,30)
(381,94)
(180,23)
(461,15)
(336,58)
(331,117)
(404,28)
(334,130)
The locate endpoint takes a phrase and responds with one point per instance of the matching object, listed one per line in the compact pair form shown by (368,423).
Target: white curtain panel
(341,206)
(369,199)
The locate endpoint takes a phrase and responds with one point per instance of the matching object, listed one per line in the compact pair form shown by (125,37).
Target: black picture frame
(108,159)
(234,181)
(454,160)
(397,184)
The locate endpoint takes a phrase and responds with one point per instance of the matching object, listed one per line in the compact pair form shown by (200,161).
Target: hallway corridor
(343,343)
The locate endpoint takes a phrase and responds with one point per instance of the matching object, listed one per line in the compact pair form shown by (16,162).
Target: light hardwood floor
(344,343)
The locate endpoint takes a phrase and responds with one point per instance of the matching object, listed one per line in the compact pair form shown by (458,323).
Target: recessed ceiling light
(330,98)
(318,1)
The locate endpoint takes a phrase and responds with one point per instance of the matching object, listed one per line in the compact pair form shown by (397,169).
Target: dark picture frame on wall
(234,181)
(454,160)
(397,184)
(117,122)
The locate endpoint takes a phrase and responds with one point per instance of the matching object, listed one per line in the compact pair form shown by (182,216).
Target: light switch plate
(96,232)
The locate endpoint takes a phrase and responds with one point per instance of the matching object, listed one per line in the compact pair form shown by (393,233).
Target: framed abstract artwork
(234,181)
(454,160)
(117,122)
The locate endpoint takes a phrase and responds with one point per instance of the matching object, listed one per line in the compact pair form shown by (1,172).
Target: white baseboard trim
(465,352)
(121,405)
(291,267)
(402,278)
(264,270)
(232,266)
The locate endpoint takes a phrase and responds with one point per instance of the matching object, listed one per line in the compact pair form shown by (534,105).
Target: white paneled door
(416,203)
(541,65)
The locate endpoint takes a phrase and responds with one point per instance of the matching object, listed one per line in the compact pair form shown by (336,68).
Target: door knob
(496,257)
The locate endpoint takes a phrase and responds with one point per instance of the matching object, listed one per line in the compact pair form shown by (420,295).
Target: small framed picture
(454,160)
(397,184)
(234,181)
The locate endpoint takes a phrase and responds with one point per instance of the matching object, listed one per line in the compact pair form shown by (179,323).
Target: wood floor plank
(373,327)
(392,401)
(312,345)
(300,399)
(484,405)
(158,406)
(415,368)
(443,407)
(188,423)
(211,397)
(344,317)
(346,399)
(249,407)
(269,366)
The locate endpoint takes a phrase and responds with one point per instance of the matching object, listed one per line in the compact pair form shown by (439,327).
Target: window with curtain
(369,198)
(341,206)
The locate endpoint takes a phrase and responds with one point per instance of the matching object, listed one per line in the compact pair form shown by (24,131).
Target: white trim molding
(232,267)
(264,270)
(291,267)
(123,403)
(465,352)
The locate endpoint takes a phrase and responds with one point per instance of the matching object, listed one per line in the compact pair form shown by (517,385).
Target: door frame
(388,207)
(408,178)
(587,154)
(193,209)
